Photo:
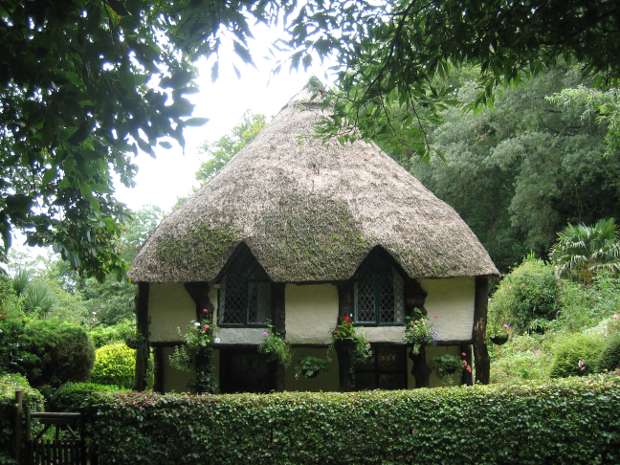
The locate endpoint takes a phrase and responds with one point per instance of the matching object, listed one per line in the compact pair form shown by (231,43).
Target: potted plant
(501,336)
(350,347)
(309,367)
(418,332)
(449,368)
(275,347)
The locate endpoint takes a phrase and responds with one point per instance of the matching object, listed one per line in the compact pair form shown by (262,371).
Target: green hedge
(9,383)
(570,421)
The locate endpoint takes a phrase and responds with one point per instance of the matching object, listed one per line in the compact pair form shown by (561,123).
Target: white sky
(171,174)
(161,180)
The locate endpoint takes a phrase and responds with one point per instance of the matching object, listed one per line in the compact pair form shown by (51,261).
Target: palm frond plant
(581,251)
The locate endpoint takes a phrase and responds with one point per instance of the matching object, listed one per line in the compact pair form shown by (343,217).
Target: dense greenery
(576,356)
(391,52)
(33,399)
(492,425)
(580,335)
(46,352)
(527,294)
(83,88)
(114,364)
(517,171)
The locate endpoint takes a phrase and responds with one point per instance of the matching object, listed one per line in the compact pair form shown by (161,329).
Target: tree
(582,251)
(83,86)
(390,52)
(229,145)
(519,170)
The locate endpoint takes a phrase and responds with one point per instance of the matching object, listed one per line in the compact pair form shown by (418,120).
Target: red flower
(205,327)
(346,318)
(468,369)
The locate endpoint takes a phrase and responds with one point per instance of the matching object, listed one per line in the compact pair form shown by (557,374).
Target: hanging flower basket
(499,339)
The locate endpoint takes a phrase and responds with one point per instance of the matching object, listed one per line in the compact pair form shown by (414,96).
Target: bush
(571,421)
(76,396)
(520,366)
(46,352)
(114,364)
(609,359)
(124,331)
(584,306)
(528,293)
(576,355)
(9,383)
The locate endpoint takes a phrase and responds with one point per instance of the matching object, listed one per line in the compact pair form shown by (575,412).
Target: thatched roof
(310,210)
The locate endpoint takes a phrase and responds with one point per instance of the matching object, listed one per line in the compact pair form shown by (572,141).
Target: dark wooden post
(158,369)
(18,433)
(420,370)
(481,354)
(278,320)
(142,324)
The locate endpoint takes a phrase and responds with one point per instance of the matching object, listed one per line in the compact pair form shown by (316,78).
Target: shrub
(520,366)
(9,383)
(584,306)
(75,396)
(609,359)
(576,355)
(114,364)
(528,293)
(571,421)
(46,352)
(122,331)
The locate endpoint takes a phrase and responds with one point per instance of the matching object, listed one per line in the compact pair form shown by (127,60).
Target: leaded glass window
(378,293)
(245,294)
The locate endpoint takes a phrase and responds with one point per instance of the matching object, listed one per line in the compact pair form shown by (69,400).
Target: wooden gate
(50,438)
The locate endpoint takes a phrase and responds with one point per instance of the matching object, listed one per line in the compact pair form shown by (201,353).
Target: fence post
(18,432)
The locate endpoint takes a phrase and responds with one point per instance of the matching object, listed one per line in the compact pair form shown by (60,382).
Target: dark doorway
(386,369)
(245,370)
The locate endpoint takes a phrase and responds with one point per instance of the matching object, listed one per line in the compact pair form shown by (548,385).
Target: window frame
(376,294)
(221,311)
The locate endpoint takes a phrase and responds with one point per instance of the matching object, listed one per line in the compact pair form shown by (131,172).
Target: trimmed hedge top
(571,421)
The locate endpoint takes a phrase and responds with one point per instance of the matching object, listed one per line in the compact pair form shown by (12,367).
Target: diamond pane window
(378,293)
(245,293)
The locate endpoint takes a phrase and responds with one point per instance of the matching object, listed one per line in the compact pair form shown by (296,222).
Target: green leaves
(572,421)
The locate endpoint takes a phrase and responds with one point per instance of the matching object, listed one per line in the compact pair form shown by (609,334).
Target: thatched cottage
(298,231)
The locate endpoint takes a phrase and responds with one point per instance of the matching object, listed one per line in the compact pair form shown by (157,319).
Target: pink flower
(463,354)
(468,369)
(265,333)
(205,327)
(205,311)
(581,365)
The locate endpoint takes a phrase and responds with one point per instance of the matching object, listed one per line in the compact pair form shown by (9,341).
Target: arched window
(378,291)
(245,293)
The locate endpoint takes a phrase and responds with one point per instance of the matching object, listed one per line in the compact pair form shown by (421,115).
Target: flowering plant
(275,347)
(197,336)
(418,332)
(346,331)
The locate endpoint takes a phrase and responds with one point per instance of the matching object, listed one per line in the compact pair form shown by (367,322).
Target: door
(245,370)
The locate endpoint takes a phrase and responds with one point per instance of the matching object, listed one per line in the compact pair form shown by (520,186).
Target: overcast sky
(161,180)
(171,174)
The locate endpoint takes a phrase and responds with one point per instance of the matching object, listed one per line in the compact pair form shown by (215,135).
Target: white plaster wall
(311,312)
(450,306)
(170,307)
(383,333)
